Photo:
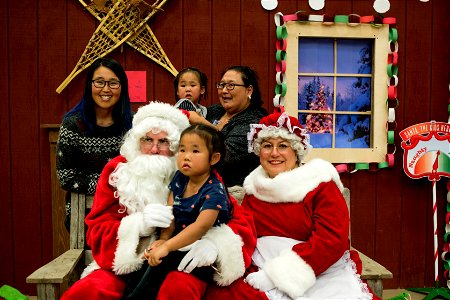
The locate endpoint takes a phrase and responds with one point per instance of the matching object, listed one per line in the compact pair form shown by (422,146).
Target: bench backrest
(346,194)
(80,203)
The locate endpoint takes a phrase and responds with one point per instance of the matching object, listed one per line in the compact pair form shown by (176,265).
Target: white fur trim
(230,259)
(290,273)
(126,260)
(156,125)
(154,116)
(292,185)
(89,269)
(163,111)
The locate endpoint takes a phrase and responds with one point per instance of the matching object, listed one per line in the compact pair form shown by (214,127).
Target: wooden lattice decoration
(146,43)
(121,21)
(143,41)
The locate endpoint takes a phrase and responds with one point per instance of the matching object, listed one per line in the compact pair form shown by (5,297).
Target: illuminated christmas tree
(319,122)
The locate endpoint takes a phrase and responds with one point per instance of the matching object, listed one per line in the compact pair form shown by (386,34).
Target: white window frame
(379,116)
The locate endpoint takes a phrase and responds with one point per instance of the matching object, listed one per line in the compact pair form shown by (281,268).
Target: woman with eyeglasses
(301,219)
(240,105)
(301,223)
(91,133)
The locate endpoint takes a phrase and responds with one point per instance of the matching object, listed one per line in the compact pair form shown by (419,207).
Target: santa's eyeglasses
(162,144)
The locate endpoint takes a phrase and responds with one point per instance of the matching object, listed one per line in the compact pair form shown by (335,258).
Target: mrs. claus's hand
(203,253)
(260,281)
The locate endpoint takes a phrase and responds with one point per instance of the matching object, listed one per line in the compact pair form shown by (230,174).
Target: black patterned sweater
(79,158)
(238,163)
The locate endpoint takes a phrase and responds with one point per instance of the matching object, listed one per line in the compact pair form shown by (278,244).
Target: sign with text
(426,150)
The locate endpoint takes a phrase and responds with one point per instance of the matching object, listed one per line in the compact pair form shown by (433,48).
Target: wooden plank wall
(41,41)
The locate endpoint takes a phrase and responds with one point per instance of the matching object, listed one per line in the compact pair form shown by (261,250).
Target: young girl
(190,88)
(200,201)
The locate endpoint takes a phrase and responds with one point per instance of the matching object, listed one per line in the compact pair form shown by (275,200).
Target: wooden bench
(53,278)
(372,272)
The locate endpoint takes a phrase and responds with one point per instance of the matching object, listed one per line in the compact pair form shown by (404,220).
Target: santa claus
(130,203)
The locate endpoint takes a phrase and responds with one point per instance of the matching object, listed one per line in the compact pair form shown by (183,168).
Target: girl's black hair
(201,77)
(122,113)
(250,78)
(215,142)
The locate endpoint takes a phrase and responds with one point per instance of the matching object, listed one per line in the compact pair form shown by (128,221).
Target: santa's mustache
(145,166)
(143,180)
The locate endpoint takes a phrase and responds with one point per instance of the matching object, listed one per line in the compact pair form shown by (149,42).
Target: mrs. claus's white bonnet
(279,124)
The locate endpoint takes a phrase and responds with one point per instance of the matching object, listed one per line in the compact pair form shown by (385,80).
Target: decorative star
(143,41)
(121,21)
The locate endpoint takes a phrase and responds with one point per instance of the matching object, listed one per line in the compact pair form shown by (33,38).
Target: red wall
(41,41)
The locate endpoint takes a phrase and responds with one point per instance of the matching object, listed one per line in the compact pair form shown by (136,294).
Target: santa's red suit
(113,236)
(302,222)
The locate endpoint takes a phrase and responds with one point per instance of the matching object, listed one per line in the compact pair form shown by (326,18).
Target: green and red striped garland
(392,101)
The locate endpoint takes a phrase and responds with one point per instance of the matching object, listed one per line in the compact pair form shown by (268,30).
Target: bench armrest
(373,270)
(59,269)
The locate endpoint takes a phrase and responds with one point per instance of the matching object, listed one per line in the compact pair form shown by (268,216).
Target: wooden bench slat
(53,278)
(58,269)
(372,269)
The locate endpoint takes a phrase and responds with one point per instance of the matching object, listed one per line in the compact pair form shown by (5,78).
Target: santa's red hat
(279,124)
(155,116)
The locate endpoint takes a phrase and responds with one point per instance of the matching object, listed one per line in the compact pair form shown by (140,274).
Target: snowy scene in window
(335,91)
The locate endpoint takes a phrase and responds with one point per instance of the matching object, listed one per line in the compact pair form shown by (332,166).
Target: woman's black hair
(250,78)
(122,113)
(201,77)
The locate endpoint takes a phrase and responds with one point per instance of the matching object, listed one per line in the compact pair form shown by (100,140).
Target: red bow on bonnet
(279,118)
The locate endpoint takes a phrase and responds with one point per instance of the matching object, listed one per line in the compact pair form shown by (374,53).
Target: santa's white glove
(260,281)
(203,253)
(157,215)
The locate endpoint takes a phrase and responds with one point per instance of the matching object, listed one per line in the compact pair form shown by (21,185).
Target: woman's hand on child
(195,118)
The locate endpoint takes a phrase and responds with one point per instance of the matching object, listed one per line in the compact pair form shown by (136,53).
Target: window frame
(380,80)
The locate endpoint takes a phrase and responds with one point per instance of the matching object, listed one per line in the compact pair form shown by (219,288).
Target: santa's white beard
(143,180)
